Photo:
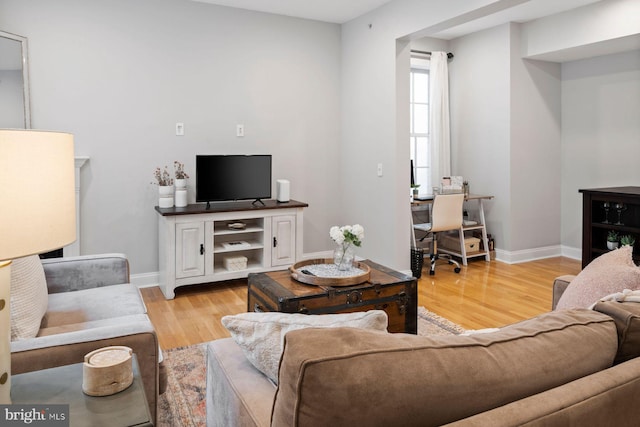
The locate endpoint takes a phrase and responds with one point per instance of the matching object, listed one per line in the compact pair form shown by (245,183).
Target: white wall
(119,74)
(480,121)
(371,94)
(600,131)
(583,30)
(535,154)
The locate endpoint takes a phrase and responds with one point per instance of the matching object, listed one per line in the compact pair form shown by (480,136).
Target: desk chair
(446,215)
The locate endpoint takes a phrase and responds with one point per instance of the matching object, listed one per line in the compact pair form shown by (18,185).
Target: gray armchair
(91,304)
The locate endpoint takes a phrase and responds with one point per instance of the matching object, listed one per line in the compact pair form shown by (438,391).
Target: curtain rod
(422,52)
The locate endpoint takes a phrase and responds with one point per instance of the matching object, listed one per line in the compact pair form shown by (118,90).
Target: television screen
(232,177)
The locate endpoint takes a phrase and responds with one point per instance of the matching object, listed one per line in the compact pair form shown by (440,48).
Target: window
(419,125)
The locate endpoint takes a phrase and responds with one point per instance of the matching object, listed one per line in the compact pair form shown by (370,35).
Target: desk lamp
(37,212)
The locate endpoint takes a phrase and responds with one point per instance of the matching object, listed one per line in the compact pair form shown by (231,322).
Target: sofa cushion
(29,297)
(627,318)
(260,335)
(348,376)
(69,308)
(607,274)
(237,393)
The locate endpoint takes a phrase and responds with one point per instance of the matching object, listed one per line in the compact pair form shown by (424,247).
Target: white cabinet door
(283,251)
(189,249)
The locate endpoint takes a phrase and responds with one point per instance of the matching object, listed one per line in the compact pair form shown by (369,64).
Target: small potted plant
(181,175)
(414,188)
(627,240)
(612,239)
(165,187)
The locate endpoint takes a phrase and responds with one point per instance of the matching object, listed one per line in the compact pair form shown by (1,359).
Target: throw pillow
(261,335)
(29,297)
(609,273)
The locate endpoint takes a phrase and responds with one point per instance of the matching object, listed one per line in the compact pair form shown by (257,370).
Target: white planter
(165,202)
(612,245)
(165,196)
(180,183)
(181,197)
(165,191)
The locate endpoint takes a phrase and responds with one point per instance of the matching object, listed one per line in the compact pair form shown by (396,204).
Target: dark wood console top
(216,207)
(630,190)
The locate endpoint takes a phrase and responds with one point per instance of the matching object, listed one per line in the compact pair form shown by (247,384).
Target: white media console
(227,241)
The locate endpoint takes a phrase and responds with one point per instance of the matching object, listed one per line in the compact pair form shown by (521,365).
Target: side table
(63,385)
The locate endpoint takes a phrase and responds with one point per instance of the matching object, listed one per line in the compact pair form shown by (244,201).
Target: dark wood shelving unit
(596,222)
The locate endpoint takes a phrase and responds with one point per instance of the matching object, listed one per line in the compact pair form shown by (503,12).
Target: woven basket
(417,261)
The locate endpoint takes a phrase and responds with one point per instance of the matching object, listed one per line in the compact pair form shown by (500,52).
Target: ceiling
(341,11)
(335,11)
(494,14)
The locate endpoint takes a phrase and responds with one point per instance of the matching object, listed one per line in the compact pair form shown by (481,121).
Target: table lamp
(37,212)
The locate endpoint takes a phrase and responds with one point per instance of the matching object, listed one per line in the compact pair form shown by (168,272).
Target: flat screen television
(233,177)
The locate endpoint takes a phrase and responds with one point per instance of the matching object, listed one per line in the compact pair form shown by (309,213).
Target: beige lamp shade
(37,192)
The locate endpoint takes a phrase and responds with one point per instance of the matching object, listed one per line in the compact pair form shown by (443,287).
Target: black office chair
(446,215)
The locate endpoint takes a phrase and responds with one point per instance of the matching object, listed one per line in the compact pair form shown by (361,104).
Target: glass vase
(343,257)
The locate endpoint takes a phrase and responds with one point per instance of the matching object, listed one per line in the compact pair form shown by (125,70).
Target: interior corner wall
(370,121)
(120,74)
(369,140)
(600,131)
(480,122)
(535,152)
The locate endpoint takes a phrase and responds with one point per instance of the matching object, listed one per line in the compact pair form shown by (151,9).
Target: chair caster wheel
(431,272)
(457,269)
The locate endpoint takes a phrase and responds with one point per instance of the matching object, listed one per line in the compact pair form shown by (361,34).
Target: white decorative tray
(323,272)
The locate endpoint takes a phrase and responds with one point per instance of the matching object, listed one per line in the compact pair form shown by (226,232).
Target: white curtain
(439,118)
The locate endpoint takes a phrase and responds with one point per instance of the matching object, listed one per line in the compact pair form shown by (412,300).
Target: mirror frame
(25,75)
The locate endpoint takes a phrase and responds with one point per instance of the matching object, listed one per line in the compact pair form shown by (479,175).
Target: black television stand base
(258,201)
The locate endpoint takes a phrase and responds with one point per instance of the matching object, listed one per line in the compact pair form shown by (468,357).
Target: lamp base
(5,333)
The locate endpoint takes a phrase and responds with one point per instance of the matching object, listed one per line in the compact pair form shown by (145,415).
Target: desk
(480,226)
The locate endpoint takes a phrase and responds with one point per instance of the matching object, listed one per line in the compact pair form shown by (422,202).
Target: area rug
(183,402)
(430,323)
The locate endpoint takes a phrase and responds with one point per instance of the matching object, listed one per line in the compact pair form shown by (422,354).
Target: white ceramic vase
(180,183)
(181,197)
(165,196)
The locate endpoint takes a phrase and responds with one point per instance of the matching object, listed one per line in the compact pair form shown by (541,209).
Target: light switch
(379,169)
(179,129)
(240,130)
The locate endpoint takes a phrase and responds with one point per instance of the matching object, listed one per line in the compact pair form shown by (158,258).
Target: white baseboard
(315,255)
(145,280)
(525,255)
(571,252)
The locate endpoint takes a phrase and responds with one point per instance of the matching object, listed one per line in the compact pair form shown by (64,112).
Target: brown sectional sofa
(556,369)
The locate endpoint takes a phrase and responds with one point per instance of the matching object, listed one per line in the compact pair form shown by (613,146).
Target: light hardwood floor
(483,295)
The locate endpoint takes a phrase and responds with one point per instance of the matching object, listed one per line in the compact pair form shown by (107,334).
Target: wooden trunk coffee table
(387,289)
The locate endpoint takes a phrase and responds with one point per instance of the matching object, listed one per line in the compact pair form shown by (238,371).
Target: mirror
(15,111)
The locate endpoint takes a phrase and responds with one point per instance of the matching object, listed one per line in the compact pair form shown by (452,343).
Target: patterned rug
(183,403)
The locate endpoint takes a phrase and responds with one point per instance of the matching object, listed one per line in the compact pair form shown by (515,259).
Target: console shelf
(599,216)
(194,241)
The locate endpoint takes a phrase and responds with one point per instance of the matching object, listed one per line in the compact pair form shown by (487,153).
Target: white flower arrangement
(347,235)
